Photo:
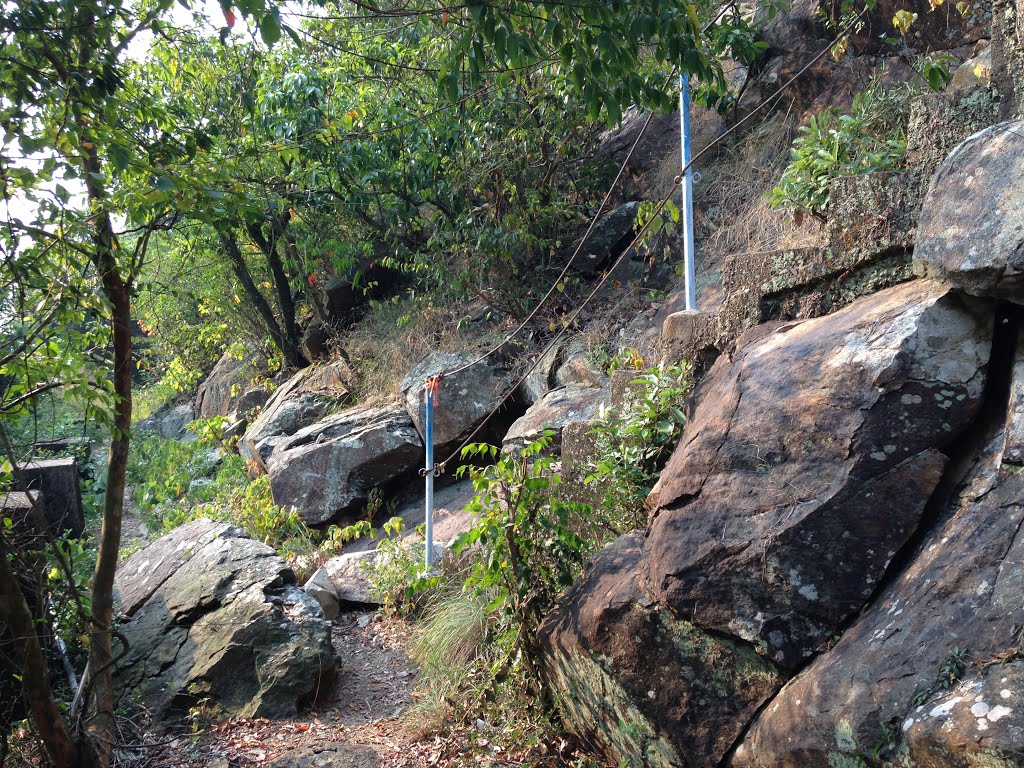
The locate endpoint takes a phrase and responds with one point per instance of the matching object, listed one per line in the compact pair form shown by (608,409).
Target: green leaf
(120,157)
(270,27)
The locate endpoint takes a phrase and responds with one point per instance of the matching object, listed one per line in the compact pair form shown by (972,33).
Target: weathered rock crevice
(962,455)
(965,452)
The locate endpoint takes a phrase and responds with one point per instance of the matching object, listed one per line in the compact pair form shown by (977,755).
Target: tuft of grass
(451,647)
(733,196)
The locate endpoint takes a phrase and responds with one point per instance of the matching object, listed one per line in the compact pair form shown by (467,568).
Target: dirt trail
(358,723)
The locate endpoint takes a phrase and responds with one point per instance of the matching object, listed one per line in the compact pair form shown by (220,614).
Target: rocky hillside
(831,571)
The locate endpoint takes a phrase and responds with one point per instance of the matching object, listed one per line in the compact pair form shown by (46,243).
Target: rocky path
(360,722)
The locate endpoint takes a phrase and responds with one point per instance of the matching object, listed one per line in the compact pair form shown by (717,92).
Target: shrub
(631,445)
(871,138)
(525,545)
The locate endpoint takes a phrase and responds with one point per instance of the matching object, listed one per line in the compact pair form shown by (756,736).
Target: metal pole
(428,429)
(688,244)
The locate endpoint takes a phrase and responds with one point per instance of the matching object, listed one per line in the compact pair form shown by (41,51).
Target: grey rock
(559,408)
(1013,431)
(254,397)
(577,367)
(302,400)
(466,398)
(213,614)
(611,236)
(170,420)
(328,469)
(321,589)
(57,480)
(541,379)
(971,232)
(347,573)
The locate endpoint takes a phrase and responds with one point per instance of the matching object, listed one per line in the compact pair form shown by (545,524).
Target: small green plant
(204,714)
(950,671)
(376,503)
(871,138)
(648,215)
(397,575)
(526,544)
(631,444)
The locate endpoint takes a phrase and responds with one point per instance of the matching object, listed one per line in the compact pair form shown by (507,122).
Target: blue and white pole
(687,183)
(429,393)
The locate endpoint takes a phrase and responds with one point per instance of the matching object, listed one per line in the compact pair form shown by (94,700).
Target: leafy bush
(177,482)
(397,575)
(631,445)
(525,545)
(871,138)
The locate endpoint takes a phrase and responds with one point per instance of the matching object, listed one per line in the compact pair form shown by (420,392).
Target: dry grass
(732,196)
(393,337)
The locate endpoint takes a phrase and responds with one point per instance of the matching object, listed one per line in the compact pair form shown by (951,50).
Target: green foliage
(631,445)
(176,482)
(69,576)
(655,222)
(168,471)
(871,138)
(950,671)
(526,543)
(397,577)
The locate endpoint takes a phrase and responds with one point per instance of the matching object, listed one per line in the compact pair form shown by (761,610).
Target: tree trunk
(31,660)
(292,354)
(269,247)
(101,730)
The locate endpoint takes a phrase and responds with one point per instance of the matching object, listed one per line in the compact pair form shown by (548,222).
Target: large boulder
(556,410)
(465,399)
(805,468)
(971,232)
(57,480)
(230,378)
(611,236)
(170,420)
(328,469)
(214,615)
(304,399)
(890,685)
(638,683)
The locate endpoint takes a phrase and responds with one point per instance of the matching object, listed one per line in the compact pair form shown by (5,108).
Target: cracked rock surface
(805,468)
(212,614)
(889,685)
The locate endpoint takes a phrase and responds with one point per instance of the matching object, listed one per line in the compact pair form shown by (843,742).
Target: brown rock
(880,686)
(769,524)
(643,686)
(219,392)
(805,468)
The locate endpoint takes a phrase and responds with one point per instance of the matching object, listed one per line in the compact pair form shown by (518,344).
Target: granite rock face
(805,468)
(213,614)
(572,404)
(931,673)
